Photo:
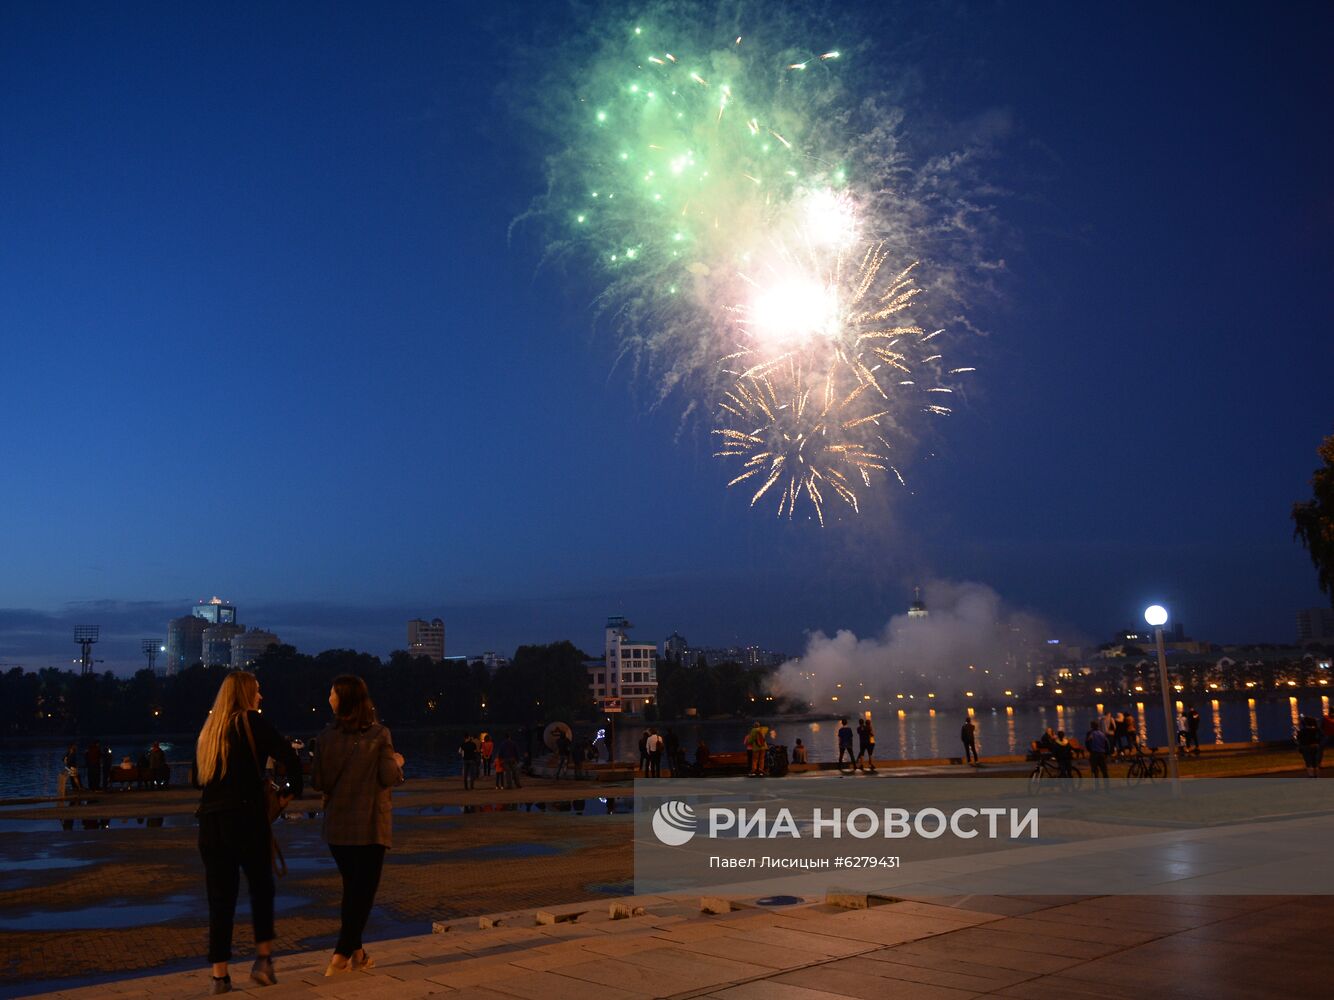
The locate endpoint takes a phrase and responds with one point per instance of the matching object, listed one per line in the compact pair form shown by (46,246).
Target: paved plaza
(105,900)
(1033,948)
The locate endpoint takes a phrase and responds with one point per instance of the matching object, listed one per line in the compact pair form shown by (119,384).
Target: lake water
(29,768)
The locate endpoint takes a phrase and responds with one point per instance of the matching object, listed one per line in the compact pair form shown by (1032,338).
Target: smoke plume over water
(967,641)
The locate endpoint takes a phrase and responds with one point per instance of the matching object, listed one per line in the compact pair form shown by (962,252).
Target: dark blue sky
(264,336)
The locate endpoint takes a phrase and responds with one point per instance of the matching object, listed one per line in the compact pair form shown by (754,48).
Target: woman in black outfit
(355,767)
(234,831)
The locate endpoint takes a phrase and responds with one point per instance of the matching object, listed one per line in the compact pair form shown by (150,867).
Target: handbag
(273,806)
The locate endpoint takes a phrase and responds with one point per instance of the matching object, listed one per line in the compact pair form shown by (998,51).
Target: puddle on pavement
(114,916)
(95,823)
(108,915)
(571,807)
(43,862)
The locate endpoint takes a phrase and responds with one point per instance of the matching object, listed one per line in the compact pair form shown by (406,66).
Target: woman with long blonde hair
(234,832)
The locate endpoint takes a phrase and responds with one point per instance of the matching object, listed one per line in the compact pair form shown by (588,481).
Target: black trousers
(360,865)
(231,842)
(970,751)
(1098,765)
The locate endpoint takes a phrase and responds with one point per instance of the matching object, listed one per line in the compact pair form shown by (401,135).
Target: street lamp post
(1156,615)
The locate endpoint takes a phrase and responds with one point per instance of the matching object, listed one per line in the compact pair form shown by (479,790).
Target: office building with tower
(628,673)
(426,638)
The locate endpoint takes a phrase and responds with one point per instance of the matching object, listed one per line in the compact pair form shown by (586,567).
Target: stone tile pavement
(1251,947)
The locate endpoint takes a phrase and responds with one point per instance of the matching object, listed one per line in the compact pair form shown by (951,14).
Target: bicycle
(1047,771)
(1146,765)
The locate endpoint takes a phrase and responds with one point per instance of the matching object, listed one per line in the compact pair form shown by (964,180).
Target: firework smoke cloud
(968,640)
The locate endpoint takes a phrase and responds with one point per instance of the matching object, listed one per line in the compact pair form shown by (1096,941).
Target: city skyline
(269,336)
(380,631)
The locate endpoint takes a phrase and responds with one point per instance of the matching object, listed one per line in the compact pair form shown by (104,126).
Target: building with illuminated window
(217,611)
(250,645)
(628,673)
(427,638)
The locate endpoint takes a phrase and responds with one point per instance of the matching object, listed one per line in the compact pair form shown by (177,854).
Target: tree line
(539,684)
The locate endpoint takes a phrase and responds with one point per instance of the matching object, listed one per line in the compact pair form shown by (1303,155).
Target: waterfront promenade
(112,888)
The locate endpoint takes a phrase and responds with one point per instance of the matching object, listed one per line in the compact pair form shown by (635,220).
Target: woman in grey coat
(355,766)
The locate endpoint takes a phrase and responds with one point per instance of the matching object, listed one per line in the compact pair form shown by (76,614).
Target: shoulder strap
(250,738)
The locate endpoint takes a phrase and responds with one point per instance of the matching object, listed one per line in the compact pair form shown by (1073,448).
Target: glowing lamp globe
(1155,615)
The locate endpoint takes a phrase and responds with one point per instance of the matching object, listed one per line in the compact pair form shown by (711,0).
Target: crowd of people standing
(96,767)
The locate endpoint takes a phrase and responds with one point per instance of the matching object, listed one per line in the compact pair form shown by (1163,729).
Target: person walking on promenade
(756,747)
(69,771)
(157,764)
(1182,726)
(92,758)
(643,753)
(672,748)
(1132,734)
(868,739)
(1121,744)
(508,753)
(1098,746)
(468,751)
(355,766)
(487,751)
(234,831)
(1192,729)
(577,754)
(1309,741)
(563,746)
(1109,728)
(968,734)
(845,744)
(654,746)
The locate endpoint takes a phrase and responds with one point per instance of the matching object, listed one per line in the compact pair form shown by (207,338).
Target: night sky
(266,336)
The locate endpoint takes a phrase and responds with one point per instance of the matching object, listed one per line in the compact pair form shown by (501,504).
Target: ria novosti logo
(674,823)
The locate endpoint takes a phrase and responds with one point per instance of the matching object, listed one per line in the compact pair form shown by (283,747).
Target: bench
(1035,752)
(718,764)
(129,775)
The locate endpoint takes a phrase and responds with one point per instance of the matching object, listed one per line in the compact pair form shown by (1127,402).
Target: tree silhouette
(1314,519)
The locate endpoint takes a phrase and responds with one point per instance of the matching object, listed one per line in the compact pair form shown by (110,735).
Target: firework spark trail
(730,187)
(789,431)
(842,329)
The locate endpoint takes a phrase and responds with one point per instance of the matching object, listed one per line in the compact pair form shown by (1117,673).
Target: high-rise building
(426,638)
(1315,625)
(628,672)
(217,611)
(185,642)
(674,646)
(218,643)
(249,646)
